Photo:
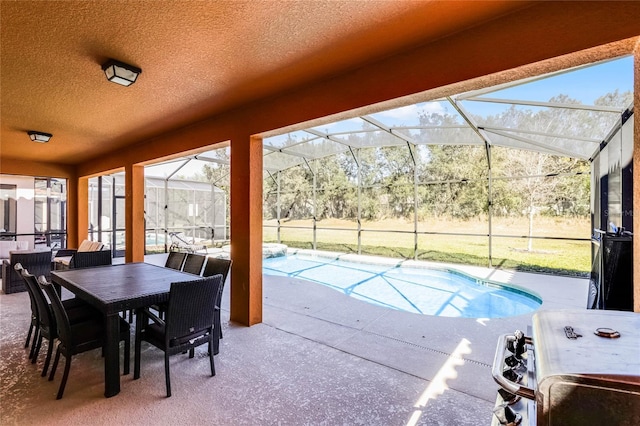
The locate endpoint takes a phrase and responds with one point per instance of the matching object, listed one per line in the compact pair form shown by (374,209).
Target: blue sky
(585,85)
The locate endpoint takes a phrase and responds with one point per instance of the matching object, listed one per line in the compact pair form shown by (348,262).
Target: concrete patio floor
(318,358)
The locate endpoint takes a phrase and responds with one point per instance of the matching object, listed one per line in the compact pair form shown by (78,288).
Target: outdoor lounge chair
(37,261)
(179,243)
(89,253)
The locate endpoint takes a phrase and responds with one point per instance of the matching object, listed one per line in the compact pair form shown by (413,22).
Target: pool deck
(417,345)
(401,340)
(318,357)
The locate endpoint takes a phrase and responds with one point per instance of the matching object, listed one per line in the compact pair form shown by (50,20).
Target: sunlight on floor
(439,383)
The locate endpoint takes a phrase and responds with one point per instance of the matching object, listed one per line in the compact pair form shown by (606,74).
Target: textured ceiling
(198,58)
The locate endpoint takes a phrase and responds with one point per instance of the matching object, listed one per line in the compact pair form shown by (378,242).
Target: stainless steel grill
(578,367)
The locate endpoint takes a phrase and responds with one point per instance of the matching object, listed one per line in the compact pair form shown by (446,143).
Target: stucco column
(134,234)
(72,212)
(78,208)
(246,230)
(636,179)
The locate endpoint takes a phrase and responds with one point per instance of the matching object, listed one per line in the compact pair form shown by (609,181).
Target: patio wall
(486,53)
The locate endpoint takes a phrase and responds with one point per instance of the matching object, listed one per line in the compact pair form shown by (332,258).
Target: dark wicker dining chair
(193,263)
(175,260)
(89,259)
(188,323)
(33,326)
(189,262)
(214,267)
(75,338)
(47,328)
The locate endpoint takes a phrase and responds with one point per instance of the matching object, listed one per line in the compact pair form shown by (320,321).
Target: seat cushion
(64,260)
(96,246)
(8,246)
(79,311)
(88,333)
(86,245)
(190,339)
(154,334)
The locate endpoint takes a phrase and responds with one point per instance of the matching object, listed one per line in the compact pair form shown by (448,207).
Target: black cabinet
(611,280)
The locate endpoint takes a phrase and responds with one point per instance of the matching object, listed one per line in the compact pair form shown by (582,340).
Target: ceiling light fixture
(39,136)
(121,73)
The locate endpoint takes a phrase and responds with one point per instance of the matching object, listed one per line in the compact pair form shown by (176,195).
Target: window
(8,208)
(50,223)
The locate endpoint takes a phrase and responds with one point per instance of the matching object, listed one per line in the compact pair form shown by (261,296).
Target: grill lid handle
(498,368)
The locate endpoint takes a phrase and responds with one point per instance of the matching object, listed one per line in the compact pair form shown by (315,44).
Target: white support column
(278,206)
(358,180)
(490,203)
(415,210)
(314,170)
(166,215)
(636,179)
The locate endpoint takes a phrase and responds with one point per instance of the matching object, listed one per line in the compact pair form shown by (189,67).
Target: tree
(537,185)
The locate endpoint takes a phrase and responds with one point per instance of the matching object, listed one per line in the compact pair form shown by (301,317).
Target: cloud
(409,114)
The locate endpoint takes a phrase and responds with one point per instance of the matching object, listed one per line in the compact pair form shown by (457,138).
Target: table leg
(112,356)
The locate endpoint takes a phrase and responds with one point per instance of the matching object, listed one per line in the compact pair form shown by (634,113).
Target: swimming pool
(439,292)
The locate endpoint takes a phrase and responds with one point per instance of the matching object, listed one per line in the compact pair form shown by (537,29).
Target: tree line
(449,166)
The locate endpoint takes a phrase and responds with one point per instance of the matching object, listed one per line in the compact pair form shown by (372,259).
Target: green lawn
(549,256)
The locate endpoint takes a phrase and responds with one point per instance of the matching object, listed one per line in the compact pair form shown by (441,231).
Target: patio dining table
(116,288)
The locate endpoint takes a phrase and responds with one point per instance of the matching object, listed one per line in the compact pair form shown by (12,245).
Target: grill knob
(517,347)
(512,376)
(506,416)
(508,397)
(520,344)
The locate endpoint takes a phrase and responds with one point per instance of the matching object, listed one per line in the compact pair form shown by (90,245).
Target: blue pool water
(423,291)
